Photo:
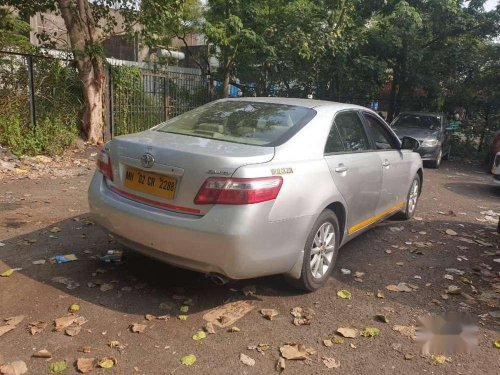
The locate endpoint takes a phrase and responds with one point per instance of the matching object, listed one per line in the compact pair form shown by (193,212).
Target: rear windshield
(262,124)
(417,121)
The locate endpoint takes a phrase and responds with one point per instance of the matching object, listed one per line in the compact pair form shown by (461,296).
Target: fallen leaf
(7,273)
(138,328)
(440,359)
(14,320)
(74,307)
(348,332)
(453,289)
(73,330)
(85,365)
(330,362)
(380,294)
(497,343)
(188,360)
(392,288)
(37,327)
(234,329)
(105,287)
(328,343)
(149,317)
(280,365)
(44,353)
(107,362)
(14,368)
(370,332)
(85,349)
(116,345)
(182,317)
(58,367)
(408,331)
(382,318)
(451,232)
(269,314)
(6,328)
(301,316)
(337,340)
(200,335)
(210,328)
(64,322)
(184,309)
(249,290)
(296,351)
(448,277)
(403,287)
(246,360)
(228,314)
(345,294)
(409,356)
(55,230)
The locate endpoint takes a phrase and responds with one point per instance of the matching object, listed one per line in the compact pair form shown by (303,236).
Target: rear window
(417,121)
(253,123)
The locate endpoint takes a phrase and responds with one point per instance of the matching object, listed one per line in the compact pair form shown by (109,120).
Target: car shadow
(141,285)
(474,189)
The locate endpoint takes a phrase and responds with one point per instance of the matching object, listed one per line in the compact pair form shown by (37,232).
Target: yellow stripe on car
(375,218)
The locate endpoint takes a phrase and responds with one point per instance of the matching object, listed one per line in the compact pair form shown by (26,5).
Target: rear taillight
(217,190)
(104,164)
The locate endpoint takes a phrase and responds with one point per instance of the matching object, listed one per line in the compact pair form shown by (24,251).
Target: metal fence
(141,98)
(35,89)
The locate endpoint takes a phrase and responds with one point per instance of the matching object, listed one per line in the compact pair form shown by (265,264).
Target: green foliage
(57,101)
(50,137)
(13,30)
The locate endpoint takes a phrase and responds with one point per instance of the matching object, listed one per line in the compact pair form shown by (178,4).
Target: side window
(382,138)
(333,142)
(352,132)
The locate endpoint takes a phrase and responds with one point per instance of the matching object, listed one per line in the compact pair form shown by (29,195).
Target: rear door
(394,164)
(355,172)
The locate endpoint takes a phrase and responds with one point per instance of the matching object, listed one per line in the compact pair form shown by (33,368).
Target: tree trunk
(83,36)
(393,98)
(225,85)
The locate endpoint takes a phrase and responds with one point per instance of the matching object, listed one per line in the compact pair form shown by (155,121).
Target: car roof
(309,103)
(422,113)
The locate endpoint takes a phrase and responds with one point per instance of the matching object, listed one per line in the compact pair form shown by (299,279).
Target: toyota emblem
(147,160)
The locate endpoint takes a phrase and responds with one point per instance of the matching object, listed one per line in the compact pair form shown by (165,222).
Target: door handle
(386,163)
(341,168)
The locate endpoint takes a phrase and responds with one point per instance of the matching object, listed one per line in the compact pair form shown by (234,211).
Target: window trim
(383,124)
(357,112)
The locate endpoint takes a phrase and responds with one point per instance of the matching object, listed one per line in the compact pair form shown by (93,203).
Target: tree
(12,29)
(228,34)
(87,25)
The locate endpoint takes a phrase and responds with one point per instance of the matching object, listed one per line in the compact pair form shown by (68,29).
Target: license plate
(150,183)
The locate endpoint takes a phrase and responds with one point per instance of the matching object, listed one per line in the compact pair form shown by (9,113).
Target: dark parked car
(431,130)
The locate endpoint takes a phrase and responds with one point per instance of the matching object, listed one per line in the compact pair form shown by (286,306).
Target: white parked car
(240,188)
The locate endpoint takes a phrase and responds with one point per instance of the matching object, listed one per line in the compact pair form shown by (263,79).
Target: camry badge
(147,160)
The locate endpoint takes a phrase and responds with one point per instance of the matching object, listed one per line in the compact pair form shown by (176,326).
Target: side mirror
(409,143)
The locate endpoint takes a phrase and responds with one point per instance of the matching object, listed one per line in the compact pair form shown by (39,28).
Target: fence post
(31,89)
(166,97)
(111,102)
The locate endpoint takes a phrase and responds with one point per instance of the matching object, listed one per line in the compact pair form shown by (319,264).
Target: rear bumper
(236,241)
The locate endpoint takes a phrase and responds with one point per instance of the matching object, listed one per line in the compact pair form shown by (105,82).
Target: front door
(394,164)
(356,172)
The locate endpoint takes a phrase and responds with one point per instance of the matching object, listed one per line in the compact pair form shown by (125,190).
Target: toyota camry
(241,188)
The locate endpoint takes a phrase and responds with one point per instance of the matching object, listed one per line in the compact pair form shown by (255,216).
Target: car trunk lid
(180,163)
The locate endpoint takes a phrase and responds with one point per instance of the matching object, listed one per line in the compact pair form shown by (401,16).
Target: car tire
(436,163)
(412,198)
(314,274)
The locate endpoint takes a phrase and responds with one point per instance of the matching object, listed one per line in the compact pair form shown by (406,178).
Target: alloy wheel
(322,250)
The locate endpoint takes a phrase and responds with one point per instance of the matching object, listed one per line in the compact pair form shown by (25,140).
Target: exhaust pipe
(218,279)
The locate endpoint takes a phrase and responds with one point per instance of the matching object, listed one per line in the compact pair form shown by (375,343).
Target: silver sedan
(240,188)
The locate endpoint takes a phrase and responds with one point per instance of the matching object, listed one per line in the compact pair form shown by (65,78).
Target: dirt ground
(35,200)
